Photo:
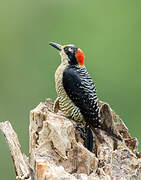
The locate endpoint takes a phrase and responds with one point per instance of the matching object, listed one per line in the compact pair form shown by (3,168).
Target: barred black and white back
(81,90)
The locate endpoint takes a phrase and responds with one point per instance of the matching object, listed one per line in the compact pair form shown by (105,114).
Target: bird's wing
(81,90)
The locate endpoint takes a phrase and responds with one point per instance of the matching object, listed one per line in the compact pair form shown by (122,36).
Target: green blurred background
(109,32)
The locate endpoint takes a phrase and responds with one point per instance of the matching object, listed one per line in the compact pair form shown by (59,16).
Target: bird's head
(70,54)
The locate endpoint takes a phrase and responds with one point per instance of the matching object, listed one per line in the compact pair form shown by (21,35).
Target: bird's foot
(66,116)
(56,105)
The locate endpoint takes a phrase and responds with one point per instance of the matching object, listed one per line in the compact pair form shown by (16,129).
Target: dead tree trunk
(57,151)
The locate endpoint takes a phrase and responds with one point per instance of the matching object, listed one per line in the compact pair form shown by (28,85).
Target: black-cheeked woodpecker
(76,89)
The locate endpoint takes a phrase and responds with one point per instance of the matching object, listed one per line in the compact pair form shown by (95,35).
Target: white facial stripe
(70,50)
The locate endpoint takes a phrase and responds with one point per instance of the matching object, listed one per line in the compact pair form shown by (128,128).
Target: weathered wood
(57,152)
(20,160)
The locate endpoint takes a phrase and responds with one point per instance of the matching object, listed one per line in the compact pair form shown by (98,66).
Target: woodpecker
(76,89)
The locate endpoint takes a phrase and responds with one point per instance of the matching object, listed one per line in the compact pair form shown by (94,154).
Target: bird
(76,90)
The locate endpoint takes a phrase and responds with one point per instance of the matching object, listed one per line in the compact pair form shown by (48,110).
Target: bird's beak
(55,45)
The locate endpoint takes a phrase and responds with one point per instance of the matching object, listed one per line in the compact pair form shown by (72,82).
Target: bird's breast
(65,103)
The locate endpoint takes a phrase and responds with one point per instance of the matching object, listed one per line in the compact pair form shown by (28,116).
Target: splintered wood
(20,160)
(57,150)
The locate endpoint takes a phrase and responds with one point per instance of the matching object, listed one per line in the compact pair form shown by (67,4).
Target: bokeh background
(109,32)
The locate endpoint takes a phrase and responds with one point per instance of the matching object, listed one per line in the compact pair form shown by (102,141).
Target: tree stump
(57,152)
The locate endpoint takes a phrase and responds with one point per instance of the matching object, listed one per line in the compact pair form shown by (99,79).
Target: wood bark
(57,152)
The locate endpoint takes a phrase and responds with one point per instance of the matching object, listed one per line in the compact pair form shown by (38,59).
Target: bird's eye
(70,50)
